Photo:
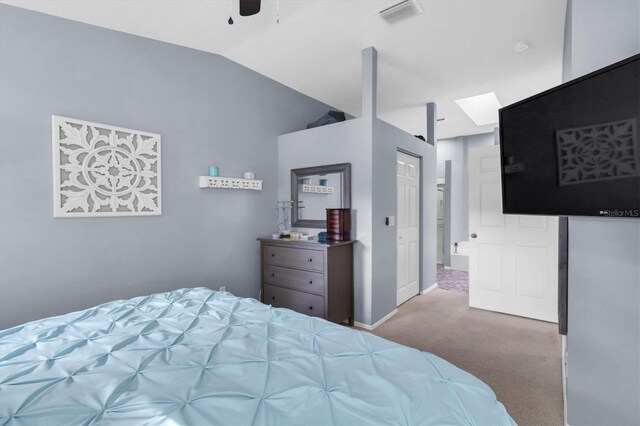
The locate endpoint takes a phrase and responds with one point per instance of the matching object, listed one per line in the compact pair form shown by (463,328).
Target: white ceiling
(455,49)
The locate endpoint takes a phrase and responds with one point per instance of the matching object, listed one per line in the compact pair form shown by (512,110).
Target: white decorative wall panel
(101,170)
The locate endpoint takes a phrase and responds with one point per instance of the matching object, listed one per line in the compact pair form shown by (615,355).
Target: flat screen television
(574,150)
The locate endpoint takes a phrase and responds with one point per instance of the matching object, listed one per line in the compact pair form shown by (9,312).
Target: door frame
(441,186)
(446,214)
(420,220)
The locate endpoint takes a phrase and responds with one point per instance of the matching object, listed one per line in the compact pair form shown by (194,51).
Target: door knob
(474,235)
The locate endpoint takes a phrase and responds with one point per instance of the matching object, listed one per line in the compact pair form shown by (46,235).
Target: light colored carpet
(519,358)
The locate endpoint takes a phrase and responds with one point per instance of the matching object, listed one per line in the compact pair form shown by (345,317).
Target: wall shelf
(219,182)
(316,189)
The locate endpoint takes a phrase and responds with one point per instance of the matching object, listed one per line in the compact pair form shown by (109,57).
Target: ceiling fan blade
(249,7)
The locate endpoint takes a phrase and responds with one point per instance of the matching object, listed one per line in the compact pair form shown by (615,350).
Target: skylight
(483,109)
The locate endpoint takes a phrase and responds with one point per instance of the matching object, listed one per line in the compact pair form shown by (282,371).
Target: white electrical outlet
(223,288)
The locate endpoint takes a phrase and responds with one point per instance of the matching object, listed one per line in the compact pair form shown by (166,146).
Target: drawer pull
(311,308)
(273,255)
(310,281)
(273,298)
(310,259)
(273,275)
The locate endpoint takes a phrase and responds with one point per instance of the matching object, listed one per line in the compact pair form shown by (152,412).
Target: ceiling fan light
(249,7)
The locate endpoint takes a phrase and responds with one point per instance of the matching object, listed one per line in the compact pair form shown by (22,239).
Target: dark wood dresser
(309,277)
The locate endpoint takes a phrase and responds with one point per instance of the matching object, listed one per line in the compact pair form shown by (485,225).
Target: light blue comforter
(195,356)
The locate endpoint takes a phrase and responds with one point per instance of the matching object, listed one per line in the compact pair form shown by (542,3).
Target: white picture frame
(101,170)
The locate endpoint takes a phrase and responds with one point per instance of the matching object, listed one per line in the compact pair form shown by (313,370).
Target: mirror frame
(297,174)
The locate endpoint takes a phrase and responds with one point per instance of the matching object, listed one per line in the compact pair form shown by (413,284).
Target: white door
(513,260)
(408,227)
(440,226)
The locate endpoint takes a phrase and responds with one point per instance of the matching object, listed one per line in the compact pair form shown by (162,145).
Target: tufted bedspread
(196,356)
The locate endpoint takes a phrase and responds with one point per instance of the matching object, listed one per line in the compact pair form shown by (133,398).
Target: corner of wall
(387,140)
(602,320)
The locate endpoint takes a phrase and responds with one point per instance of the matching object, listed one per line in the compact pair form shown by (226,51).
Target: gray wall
(373,197)
(456,150)
(603,340)
(343,142)
(208,109)
(370,145)
(387,139)
(446,214)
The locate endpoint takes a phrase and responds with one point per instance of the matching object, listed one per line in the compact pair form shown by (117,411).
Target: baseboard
(378,323)
(390,314)
(428,289)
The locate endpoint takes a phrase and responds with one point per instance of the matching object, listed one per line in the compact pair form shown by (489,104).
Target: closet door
(408,227)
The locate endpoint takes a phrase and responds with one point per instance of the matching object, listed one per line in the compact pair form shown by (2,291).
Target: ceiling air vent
(401,8)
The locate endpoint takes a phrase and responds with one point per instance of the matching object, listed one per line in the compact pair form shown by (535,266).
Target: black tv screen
(574,150)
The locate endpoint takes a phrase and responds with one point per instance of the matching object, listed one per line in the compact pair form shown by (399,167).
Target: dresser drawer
(294,278)
(305,303)
(312,260)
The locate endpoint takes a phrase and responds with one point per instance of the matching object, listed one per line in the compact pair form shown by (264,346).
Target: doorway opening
(512,263)
(451,258)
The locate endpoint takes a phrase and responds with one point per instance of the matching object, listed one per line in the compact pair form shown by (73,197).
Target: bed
(197,356)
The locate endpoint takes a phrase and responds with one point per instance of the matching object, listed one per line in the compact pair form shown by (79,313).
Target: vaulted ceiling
(454,49)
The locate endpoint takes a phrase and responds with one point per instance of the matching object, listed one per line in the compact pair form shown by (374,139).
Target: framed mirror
(315,189)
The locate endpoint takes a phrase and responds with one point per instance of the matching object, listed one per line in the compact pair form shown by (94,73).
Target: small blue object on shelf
(324,182)
(322,237)
(213,171)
